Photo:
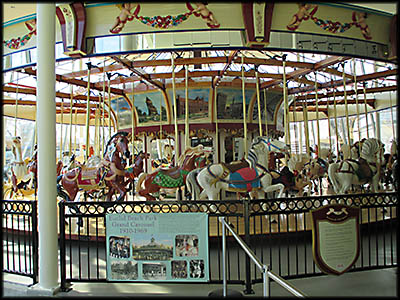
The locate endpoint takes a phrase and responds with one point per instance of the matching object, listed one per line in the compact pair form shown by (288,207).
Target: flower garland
(18,42)
(328,25)
(332,26)
(164,22)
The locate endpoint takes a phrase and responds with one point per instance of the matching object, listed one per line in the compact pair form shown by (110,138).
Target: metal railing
(267,274)
(20,238)
(277,230)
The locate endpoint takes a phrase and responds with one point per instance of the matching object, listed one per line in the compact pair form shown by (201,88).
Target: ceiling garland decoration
(161,22)
(307,11)
(20,42)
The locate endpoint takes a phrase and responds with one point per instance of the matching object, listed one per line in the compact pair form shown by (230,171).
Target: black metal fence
(278,231)
(20,238)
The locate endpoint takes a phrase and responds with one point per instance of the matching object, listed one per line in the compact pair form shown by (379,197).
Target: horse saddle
(285,176)
(174,172)
(244,179)
(170,178)
(88,173)
(236,165)
(363,172)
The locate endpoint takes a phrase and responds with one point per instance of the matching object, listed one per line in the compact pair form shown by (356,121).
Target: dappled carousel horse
(109,173)
(21,177)
(250,175)
(315,170)
(175,177)
(344,174)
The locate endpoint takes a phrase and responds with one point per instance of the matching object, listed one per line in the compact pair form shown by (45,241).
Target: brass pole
(317,111)
(244,111)
(89,66)
(258,102)
(265,112)
(187,138)
(346,107)
(175,110)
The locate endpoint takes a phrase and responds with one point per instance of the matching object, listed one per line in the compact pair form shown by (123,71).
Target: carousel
(151,109)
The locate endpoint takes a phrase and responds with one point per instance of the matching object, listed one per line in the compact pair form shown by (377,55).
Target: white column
(46,135)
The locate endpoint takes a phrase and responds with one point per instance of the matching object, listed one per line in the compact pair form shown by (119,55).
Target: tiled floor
(372,283)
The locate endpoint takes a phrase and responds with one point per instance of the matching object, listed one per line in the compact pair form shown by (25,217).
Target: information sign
(336,238)
(157,247)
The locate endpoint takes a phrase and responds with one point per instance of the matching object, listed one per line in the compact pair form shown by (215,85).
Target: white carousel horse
(216,177)
(297,161)
(19,167)
(345,173)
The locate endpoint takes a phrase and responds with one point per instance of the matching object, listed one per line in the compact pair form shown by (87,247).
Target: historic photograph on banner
(157,247)
(152,247)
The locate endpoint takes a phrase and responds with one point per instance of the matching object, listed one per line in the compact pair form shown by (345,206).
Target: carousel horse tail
(141,178)
(332,173)
(60,191)
(192,184)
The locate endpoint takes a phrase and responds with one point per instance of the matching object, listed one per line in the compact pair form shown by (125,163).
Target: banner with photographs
(157,247)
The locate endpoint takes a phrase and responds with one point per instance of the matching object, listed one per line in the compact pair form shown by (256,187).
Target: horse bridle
(269,144)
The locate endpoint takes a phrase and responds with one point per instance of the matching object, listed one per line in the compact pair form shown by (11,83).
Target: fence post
(246,216)
(63,267)
(224,289)
(35,242)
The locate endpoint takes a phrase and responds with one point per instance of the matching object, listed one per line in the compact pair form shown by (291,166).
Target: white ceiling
(15,10)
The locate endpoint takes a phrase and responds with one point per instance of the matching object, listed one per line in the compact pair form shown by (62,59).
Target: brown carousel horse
(175,177)
(109,173)
(137,168)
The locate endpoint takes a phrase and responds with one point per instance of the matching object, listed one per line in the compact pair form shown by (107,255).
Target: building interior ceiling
(309,76)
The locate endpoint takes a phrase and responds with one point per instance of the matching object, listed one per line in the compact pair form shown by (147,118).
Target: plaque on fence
(336,237)
(157,247)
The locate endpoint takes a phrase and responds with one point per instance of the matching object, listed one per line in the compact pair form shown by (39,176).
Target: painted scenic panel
(273,100)
(230,104)
(198,103)
(123,112)
(148,107)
